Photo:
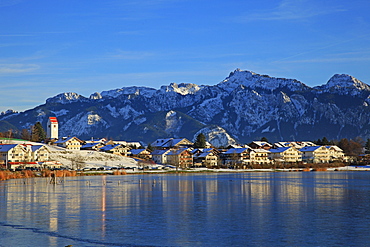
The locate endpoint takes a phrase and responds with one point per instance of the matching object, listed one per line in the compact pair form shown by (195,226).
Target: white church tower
(52,128)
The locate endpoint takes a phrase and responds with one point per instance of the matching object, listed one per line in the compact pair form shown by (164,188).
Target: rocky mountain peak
(344,84)
(9,111)
(65,98)
(343,80)
(253,80)
(244,106)
(134,90)
(95,96)
(182,88)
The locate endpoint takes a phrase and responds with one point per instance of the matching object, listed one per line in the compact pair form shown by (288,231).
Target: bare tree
(25,135)
(77,162)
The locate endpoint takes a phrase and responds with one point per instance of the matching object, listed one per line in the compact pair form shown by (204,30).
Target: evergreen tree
(150,148)
(367,146)
(38,133)
(264,139)
(200,142)
(325,141)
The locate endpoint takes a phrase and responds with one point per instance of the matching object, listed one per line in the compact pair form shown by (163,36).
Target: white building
(52,128)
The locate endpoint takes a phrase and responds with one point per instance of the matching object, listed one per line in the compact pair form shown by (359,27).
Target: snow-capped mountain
(8,112)
(66,98)
(243,107)
(344,85)
(255,81)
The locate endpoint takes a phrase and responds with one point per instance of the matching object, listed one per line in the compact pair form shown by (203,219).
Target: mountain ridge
(242,107)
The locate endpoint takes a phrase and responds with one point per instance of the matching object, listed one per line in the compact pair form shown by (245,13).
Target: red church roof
(53,120)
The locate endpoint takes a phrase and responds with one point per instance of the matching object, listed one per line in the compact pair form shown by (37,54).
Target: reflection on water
(253,209)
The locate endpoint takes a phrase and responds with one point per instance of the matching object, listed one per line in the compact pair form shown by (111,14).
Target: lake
(203,209)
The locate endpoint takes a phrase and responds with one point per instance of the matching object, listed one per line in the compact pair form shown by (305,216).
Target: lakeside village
(165,154)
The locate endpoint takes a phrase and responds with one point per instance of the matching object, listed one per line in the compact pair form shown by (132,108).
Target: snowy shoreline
(93,162)
(206,170)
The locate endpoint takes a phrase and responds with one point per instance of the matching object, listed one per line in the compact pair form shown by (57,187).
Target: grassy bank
(5,175)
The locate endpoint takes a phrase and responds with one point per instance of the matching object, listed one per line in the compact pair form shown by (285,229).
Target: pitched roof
(109,147)
(177,151)
(309,148)
(92,140)
(160,152)
(177,141)
(282,144)
(137,151)
(168,142)
(7,147)
(160,142)
(279,150)
(90,145)
(53,120)
(234,146)
(336,148)
(260,150)
(203,155)
(294,144)
(36,147)
(235,150)
(261,143)
(67,139)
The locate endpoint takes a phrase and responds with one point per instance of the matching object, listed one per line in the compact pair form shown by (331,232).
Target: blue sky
(48,47)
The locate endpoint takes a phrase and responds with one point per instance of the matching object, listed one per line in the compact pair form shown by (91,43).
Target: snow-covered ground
(95,159)
(91,159)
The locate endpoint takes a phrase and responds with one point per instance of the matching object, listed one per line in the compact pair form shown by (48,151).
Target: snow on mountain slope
(60,112)
(245,105)
(216,135)
(7,114)
(208,109)
(95,96)
(252,80)
(9,111)
(182,88)
(173,122)
(129,112)
(65,98)
(143,91)
(82,124)
(345,85)
(300,103)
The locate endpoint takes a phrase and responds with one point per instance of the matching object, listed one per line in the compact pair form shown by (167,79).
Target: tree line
(36,133)
(351,147)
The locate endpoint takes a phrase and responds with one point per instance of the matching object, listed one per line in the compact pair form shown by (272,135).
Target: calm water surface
(243,209)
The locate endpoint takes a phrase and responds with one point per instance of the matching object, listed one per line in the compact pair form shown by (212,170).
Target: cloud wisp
(290,10)
(326,47)
(131,55)
(5,3)
(18,68)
